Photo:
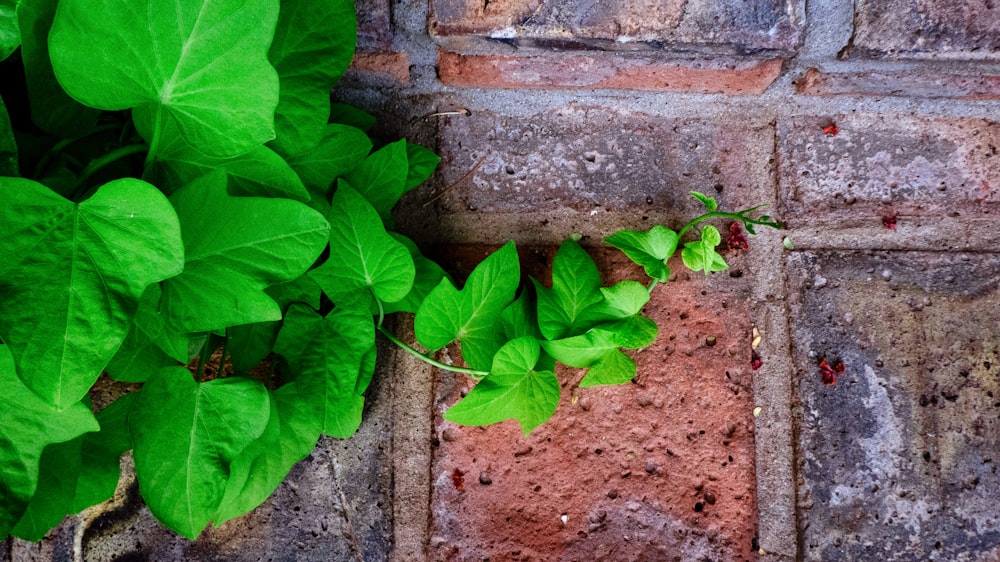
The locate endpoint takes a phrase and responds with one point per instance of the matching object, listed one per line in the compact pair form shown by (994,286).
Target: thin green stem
(652,285)
(202,359)
(105,160)
(58,147)
(714,214)
(154,143)
(388,335)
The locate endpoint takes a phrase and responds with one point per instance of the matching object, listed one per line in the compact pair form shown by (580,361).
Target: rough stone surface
(379,68)
(973,86)
(927,29)
(880,166)
(605,71)
(715,25)
(659,469)
(374,24)
(899,457)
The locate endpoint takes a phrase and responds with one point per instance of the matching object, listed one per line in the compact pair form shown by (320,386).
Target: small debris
(612,494)
(829,374)
(710,341)
(756,339)
(755,361)
(651,467)
(757,411)
(458,479)
(564,518)
(709,498)
(736,239)
(484,479)
(523,450)
(831,130)
(449,434)
(787,242)
(889,221)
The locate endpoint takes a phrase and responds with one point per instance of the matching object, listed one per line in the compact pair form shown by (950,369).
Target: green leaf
(9,36)
(623,299)
(257,173)
(520,319)
(381,178)
(79,473)
(650,249)
(598,350)
(612,368)
(349,115)
(472,314)
(708,202)
(71,277)
(569,307)
(27,426)
(150,345)
(427,276)
(341,149)
(198,64)
(422,163)
(364,260)
(235,247)
(701,255)
(512,390)
(290,436)
(8,146)
(313,45)
(51,107)
(186,436)
(328,356)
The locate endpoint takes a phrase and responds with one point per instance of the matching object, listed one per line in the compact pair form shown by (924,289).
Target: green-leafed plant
(185,210)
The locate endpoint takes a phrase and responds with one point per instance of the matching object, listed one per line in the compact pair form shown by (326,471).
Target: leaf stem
(739,215)
(426,359)
(97,164)
(202,359)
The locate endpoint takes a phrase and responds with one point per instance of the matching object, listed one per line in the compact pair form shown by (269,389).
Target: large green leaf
(150,344)
(198,64)
(364,260)
(328,358)
(471,315)
(701,255)
(8,146)
(341,149)
(650,249)
(381,178)
(79,473)
(71,277)
(235,247)
(291,434)
(186,435)
(51,107)
(313,44)
(9,36)
(568,308)
(27,426)
(513,389)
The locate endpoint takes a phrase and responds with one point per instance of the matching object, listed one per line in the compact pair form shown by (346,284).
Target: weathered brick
(374,24)
(578,164)
(926,29)
(910,84)
(728,26)
(379,68)
(876,166)
(659,468)
(604,70)
(898,458)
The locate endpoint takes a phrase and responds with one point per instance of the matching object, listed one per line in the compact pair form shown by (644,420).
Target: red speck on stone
(755,362)
(889,221)
(736,239)
(829,374)
(457,479)
(831,130)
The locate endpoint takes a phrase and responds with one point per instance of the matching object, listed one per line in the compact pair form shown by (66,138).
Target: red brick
(659,468)
(927,29)
(380,67)
(726,25)
(913,84)
(604,70)
(374,24)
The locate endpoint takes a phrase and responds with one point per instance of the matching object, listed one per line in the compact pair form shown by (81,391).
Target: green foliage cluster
(185,190)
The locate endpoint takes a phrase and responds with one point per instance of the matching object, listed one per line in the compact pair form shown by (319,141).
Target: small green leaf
(349,115)
(787,243)
(613,368)
(520,318)
(428,275)
(200,64)
(598,350)
(313,44)
(364,260)
(422,163)
(71,277)
(235,247)
(341,149)
(328,356)
(8,146)
(649,249)
(472,314)
(569,307)
(51,107)
(624,299)
(186,435)
(381,178)
(512,390)
(27,426)
(708,202)
(701,255)
(9,36)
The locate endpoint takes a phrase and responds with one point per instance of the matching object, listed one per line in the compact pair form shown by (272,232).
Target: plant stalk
(474,373)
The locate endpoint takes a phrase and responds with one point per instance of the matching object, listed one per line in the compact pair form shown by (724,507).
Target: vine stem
(105,160)
(402,345)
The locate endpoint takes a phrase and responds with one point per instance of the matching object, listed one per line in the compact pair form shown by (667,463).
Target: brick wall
(872,128)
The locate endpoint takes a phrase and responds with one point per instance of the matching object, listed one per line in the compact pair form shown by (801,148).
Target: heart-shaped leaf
(313,44)
(186,435)
(27,426)
(471,315)
(568,308)
(428,275)
(71,277)
(421,164)
(650,249)
(235,247)
(198,64)
(513,389)
(701,255)
(381,178)
(364,261)
(340,150)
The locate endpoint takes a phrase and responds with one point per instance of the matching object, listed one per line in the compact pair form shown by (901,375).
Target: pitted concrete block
(899,457)
(927,29)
